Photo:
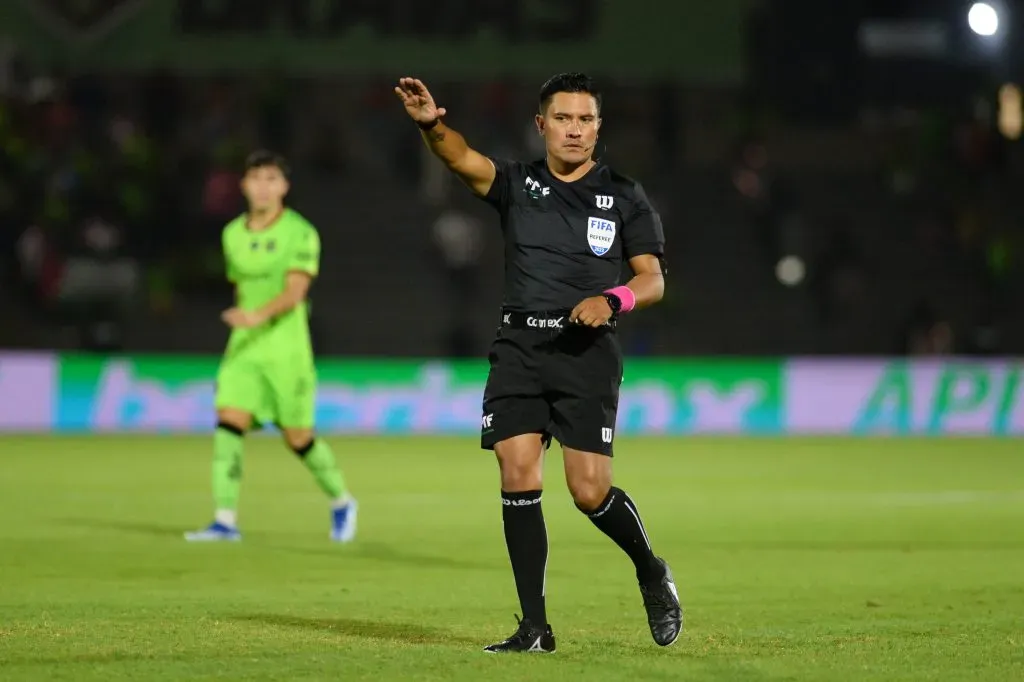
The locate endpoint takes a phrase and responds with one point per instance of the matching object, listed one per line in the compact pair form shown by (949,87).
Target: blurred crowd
(106,192)
(113,192)
(945,184)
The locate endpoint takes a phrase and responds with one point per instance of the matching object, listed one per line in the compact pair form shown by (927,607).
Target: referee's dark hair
(262,158)
(568,82)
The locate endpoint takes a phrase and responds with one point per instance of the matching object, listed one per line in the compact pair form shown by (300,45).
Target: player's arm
(296,288)
(303,267)
(472,167)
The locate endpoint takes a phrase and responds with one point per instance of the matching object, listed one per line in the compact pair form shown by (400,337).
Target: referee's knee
(588,496)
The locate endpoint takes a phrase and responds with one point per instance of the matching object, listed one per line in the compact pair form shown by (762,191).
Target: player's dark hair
(262,158)
(568,82)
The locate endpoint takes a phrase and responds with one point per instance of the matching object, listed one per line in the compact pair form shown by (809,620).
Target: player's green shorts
(273,393)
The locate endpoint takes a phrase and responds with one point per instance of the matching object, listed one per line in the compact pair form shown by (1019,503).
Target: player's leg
(583,420)
(295,397)
(239,390)
(514,425)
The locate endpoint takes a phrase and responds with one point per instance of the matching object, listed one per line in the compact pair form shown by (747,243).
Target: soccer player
(569,221)
(267,374)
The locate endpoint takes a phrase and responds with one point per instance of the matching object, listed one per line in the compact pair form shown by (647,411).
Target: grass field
(808,559)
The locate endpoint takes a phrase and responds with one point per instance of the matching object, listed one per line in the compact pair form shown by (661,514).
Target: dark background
(851,188)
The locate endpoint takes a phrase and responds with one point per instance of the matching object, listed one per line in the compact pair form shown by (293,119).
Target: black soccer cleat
(664,613)
(528,639)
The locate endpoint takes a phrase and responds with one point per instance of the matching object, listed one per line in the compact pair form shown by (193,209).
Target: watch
(614,302)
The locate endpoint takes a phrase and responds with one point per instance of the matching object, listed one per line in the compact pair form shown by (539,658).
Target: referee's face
(570,126)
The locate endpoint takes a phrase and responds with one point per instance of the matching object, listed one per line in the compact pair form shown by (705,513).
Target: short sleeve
(305,255)
(229,264)
(505,172)
(642,232)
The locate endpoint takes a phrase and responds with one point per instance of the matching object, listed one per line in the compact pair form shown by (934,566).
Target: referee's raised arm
(472,167)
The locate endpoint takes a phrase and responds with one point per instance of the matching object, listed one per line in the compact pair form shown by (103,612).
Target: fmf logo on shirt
(534,189)
(600,235)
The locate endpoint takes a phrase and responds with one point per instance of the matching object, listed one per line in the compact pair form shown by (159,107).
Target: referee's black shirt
(566,241)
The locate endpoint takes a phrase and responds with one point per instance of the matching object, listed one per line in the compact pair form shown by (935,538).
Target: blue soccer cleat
(343,522)
(215,532)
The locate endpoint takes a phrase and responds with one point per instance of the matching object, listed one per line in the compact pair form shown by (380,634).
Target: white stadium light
(790,271)
(983,19)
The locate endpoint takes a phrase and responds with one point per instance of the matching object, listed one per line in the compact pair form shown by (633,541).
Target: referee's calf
(556,365)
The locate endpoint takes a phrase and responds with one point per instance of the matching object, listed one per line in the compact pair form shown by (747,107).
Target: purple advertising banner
(44,392)
(922,397)
(28,391)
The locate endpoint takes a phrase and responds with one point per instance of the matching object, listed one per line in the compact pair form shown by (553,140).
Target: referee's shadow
(404,633)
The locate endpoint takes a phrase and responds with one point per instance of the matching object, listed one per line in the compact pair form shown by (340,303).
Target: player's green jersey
(258,263)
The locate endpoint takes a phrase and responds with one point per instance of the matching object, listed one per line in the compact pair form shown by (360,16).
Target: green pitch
(796,560)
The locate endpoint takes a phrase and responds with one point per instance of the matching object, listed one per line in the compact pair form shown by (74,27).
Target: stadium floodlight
(983,19)
(790,271)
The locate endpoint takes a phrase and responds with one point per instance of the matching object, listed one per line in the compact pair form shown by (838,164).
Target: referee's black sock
(527,540)
(618,518)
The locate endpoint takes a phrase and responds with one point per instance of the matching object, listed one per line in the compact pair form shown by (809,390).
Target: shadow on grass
(151,529)
(391,554)
(404,633)
(358,551)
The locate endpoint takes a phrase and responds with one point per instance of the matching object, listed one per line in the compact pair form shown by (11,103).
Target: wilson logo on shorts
(606,435)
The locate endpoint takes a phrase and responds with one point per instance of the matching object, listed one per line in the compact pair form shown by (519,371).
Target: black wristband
(614,302)
(428,126)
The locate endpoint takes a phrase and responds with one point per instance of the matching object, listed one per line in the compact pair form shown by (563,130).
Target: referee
(556,365)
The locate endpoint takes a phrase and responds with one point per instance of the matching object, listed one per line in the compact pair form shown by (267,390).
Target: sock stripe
(636,515)
(547,555)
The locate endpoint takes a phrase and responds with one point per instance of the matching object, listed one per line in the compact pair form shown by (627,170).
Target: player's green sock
(227,471)
(319,459)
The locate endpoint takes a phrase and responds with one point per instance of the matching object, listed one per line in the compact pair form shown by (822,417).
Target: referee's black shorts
(551,377)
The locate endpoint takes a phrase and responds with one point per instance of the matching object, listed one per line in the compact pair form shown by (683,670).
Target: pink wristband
(626,295)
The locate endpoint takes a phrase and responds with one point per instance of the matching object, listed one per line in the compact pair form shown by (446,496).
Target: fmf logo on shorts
(600,235)
(546,323)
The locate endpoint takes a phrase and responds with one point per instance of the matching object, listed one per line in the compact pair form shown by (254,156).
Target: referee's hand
(418,101)
(591,312)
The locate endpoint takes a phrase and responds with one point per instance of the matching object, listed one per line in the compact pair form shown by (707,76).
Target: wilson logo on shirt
(600,235)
